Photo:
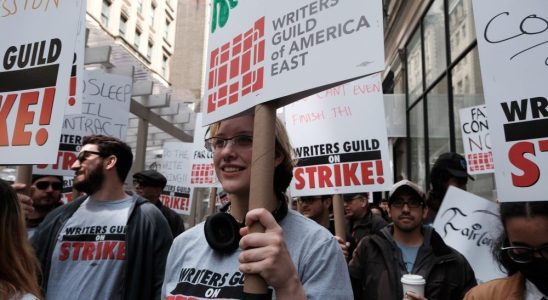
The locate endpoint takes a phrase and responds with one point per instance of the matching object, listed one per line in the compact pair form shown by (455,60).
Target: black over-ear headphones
(222,231)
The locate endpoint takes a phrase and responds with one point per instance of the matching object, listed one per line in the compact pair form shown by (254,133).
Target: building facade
(431,58)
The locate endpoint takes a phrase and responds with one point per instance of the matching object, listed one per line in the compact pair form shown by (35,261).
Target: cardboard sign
(512,41)
(34,76)
(471,224)
(476,139)
(339,137)
(105,110)
(203,171)
(263,50)
(74,101)
(175,167)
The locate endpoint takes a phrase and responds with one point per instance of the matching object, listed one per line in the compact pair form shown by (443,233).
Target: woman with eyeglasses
(298,258)
(18,265)
(522,249)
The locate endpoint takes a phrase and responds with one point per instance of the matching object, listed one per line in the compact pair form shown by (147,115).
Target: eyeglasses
(524,255)
(400,203)
(217,143)
(43,185)
(82,156)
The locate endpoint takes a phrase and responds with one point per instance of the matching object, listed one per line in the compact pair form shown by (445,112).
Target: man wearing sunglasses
(45,193)
(106,244)
(406,246)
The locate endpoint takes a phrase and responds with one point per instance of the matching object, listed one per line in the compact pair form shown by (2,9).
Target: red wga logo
(236,68)
(466,226)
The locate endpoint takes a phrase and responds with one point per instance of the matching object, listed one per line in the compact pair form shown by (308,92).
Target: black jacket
(148,240)
(369,224)
(377,267)
(173,219)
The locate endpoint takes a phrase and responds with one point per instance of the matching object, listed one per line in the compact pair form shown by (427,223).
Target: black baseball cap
(348,197)
(150,177)
(453,163)
(35,177)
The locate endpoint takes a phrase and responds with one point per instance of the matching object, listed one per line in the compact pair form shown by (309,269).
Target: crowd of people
(108,244)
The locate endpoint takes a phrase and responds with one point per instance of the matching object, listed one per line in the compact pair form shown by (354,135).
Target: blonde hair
(18,265)
(284,171)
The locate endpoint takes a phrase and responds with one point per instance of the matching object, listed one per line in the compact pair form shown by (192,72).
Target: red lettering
(68,160)
(65,251)
(24,117)
(349,173)
(311,171)
(531,172)
(108,250)
(4,112)
(337,169)
(87,254)
(76,246)
(121,254)
(324,174)
(299,180)
(367,172)
(99,250)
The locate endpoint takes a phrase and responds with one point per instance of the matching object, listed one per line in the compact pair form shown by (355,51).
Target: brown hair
(284,171)
(18,265)
(108,145)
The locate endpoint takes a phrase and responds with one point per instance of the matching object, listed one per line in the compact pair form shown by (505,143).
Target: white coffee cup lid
(413,279)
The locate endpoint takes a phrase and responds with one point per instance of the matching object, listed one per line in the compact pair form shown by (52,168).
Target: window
(164,65)
(152,13)
(123,25)
(416,140)
(414,67)
(137,40)
(434,42)
(105,13)
(149,50)
(166,29)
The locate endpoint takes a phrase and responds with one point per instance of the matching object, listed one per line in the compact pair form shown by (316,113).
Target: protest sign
(175,167)
(263,50)
(105,110)
(471,224)
(203,171)
(512,40)
(74,101)
(34,76)
(351,153)
(476,139)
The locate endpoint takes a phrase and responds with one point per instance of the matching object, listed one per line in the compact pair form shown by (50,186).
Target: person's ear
(278,158)
(111,162)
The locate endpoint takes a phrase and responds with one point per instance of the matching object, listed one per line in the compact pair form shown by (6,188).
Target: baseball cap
(151,177)
(348,197)
(453,163)
(405,184)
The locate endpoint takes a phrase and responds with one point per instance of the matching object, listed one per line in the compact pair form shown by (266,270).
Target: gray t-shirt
(90,252)
(195,270)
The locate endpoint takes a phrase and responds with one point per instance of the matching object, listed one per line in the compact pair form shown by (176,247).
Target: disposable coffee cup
(413,283)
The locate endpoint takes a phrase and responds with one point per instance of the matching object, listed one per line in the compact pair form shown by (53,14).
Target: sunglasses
(43,185)
(82,156)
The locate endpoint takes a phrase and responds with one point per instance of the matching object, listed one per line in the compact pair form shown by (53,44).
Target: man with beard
(408,247)
(317,208)
(45,193)
(107,244)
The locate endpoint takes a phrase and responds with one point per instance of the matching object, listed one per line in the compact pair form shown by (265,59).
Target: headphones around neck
(222,231)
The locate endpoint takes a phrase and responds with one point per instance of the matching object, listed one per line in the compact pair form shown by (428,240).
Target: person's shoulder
(190,236)
(497,288)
